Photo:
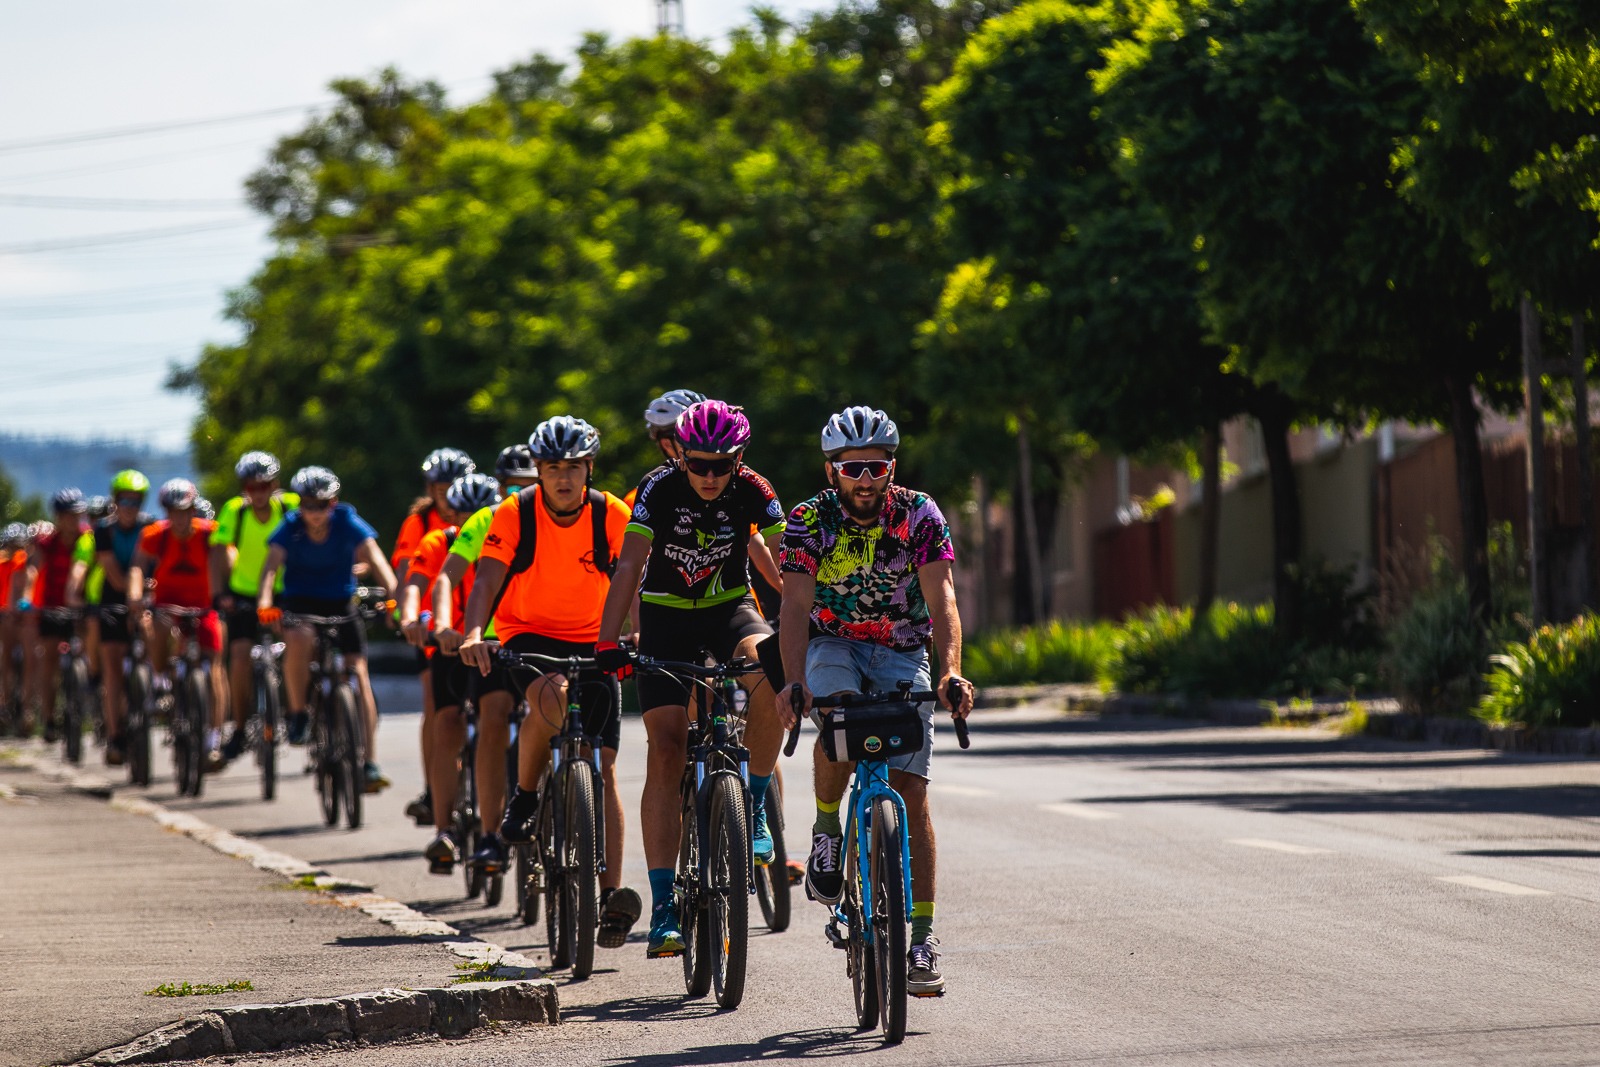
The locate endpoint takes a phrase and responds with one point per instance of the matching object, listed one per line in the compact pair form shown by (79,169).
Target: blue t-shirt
(321,570)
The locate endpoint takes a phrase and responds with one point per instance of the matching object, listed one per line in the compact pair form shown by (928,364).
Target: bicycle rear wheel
(691,907)
(528,884)
(136,729)
(325,760)
(772,881)
(350,767)
(859,960)
(465,819)
(888,884)
(197,702)
(555,922)
(268,716)
(578,875)
(183,741)
(74,701)
(729,906)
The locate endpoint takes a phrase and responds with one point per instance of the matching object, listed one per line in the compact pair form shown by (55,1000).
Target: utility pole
(1533,398)
(669,17)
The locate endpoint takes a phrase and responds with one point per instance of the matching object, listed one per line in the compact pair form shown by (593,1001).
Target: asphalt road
(1128,892)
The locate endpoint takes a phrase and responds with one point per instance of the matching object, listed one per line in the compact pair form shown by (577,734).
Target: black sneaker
(299,724)
(116,751)
(922,970)
(233,748)
(619,910)
(824,879)
(420,810)
(517,827)
(52,731)
(443,853)
(491,855)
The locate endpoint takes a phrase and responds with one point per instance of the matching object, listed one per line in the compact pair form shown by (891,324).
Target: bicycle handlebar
(856,700)
(740,665)
(534,659)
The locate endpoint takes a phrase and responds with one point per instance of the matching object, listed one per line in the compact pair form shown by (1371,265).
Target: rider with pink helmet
(688,540)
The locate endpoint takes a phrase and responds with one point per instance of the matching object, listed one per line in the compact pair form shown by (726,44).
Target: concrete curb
(385,1015)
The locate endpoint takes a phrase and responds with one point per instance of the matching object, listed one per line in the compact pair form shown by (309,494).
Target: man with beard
(867,584)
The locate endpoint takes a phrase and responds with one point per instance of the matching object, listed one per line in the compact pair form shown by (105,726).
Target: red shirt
(182,571)
(55,567)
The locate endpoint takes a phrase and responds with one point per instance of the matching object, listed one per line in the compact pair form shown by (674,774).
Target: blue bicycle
(869,923)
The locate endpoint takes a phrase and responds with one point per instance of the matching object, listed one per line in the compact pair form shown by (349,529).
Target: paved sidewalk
(100,905)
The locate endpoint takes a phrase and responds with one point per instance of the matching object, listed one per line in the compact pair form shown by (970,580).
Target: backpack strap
(527,543)
(603,563)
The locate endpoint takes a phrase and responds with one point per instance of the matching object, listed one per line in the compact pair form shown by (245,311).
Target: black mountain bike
(714,876)
(190,698)
(73,691)
(266,724)
(567,857)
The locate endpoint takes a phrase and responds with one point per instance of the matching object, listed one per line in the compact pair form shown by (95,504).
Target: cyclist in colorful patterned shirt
(238,552)
(116,541)
(867,585)
(51,558)
(468,494)
(176,552)
(688,544)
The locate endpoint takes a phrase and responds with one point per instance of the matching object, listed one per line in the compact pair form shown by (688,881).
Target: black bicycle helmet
(177,494)
(564,437)
(256,467)
(515,461)
(445,465)
(317,483)
(69,499)
(472,492)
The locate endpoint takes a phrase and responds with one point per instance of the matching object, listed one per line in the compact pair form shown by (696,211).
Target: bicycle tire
(772,881)
(729,907)
(555,926)
(136,728)
(74,705)
(323,758)
(465,820)
(268,717)
(198,706)
(859,962)
(691,919)
(581,879)
(182,742)
(528,888)
(888,882)
(351,768)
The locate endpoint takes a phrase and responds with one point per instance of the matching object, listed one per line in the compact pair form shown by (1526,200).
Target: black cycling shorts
(56,629)
(599,696)
(686,634)
(113,613)
(243,624)
(450,680)
(352,634)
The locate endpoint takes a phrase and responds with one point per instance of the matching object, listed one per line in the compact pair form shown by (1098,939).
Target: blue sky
(88,326)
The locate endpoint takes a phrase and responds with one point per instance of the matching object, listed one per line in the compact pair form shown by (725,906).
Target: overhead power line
(143,129)
(123,237)
(114,203)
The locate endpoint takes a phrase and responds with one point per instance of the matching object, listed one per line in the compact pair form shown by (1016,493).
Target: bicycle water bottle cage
(875,732)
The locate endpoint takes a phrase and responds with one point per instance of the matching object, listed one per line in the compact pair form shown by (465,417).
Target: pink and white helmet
(712,426)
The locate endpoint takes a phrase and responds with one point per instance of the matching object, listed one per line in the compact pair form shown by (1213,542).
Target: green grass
(203,989)
(477,971)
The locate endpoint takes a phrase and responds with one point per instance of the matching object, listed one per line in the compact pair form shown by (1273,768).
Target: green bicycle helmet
(129,481)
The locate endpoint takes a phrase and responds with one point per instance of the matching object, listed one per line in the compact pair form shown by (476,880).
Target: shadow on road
(1563,801)
(289,831)
(795,1045)
(1535,853)
(389,941)
(374,857)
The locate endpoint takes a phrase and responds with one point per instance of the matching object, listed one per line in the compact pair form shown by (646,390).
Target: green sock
(828,819)
(921,921)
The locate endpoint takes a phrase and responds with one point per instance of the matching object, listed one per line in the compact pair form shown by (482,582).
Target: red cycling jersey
(182,571)
(55,566)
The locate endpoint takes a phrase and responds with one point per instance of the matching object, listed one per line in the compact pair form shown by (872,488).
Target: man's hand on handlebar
(613,659)
(476,652)
(961,706)
(449,639)
(415,632)
(790,709)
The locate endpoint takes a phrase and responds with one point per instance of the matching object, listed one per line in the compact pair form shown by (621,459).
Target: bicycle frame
(714,754)
(869,784)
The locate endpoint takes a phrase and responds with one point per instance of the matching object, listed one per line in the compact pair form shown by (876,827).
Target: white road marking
(960,790)
(1494,885)
(1277,846)
(1080,811)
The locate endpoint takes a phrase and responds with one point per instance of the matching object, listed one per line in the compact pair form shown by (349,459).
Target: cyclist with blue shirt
(867,584)
(317,546)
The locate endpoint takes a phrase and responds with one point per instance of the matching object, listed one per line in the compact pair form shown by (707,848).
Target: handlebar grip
(952,693)
(961,734)
(796,702)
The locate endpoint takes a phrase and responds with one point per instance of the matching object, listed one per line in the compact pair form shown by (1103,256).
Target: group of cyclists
(535,559)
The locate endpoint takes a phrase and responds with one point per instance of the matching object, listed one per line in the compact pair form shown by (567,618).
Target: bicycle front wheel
(772,881)
(74,704)
(197,704)
(691,907)
(729,907)
(350,767)
(579,875)
(137,727)
(888,886)
(549,842)
(325,759)
(268,716)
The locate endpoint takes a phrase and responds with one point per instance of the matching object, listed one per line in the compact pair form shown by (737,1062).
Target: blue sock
(758,790)
(660,886)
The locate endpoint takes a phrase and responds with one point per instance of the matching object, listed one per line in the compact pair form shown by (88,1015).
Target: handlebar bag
(876,732)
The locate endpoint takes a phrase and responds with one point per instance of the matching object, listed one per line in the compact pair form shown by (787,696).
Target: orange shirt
(412,531)
(562,593)
(182,571)
(10,564)
(428,561)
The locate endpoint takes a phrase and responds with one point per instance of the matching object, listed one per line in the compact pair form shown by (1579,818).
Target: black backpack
(528,538)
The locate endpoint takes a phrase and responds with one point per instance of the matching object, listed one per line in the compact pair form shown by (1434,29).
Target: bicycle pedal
(927,996)
(435,867)
(837,939)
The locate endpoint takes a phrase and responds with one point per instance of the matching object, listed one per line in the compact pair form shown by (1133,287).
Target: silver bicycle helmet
(69,499)
(257,467)
(515,461)
(318,483)
(472,492)
(662,414)
(859,427)
(445,465)
(564,437)
(177,494)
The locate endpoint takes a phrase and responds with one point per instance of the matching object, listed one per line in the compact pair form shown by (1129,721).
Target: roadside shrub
(1056,652)
(1435,652)
(1146,646)
(1551,679)
(1233,651)
(1335,612)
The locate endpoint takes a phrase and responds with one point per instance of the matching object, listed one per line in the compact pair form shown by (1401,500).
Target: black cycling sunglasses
(315,505)
(130,501)
(710,468)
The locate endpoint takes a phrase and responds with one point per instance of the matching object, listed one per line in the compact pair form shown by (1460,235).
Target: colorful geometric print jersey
(700,549)
(867,587)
